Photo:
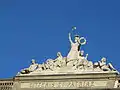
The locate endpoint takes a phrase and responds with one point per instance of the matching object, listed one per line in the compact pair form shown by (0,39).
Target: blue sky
(39,28)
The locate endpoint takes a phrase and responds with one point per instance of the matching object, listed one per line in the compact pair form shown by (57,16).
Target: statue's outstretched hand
(70,38)
(69,34)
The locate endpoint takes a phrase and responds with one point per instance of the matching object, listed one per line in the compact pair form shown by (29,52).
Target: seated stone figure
(31,68)
(82,62)
(55,64)
(60,60)
(104,66)
(49,64)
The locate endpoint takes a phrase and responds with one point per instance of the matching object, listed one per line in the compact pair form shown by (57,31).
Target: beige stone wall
(119,82)
(67,81)
(35,82)
(6,84)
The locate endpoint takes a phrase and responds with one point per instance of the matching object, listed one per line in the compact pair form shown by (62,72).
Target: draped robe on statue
(74,51)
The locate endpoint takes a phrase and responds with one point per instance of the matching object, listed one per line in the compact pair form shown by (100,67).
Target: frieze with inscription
(61,84)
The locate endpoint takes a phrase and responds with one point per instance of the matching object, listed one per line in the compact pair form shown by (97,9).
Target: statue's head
(58,54)
(77,38)
(103,59)
(33,61)
(81,53)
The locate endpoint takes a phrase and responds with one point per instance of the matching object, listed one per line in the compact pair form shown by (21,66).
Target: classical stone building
(64,82)
(74,71)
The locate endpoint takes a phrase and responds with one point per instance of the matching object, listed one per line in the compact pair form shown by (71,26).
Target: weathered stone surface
(6,84)
(66,81)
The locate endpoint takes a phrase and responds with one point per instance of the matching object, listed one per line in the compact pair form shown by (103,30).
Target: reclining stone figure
(31,68)
(104,66)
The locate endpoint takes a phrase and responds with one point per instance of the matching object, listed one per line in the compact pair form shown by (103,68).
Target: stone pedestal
(65,81)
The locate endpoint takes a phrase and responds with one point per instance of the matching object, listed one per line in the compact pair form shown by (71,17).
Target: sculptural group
(75,61)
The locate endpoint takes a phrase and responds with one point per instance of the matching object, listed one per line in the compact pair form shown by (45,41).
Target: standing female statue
(75,47)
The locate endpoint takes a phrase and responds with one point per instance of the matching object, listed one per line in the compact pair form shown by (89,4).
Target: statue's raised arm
(70,39)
